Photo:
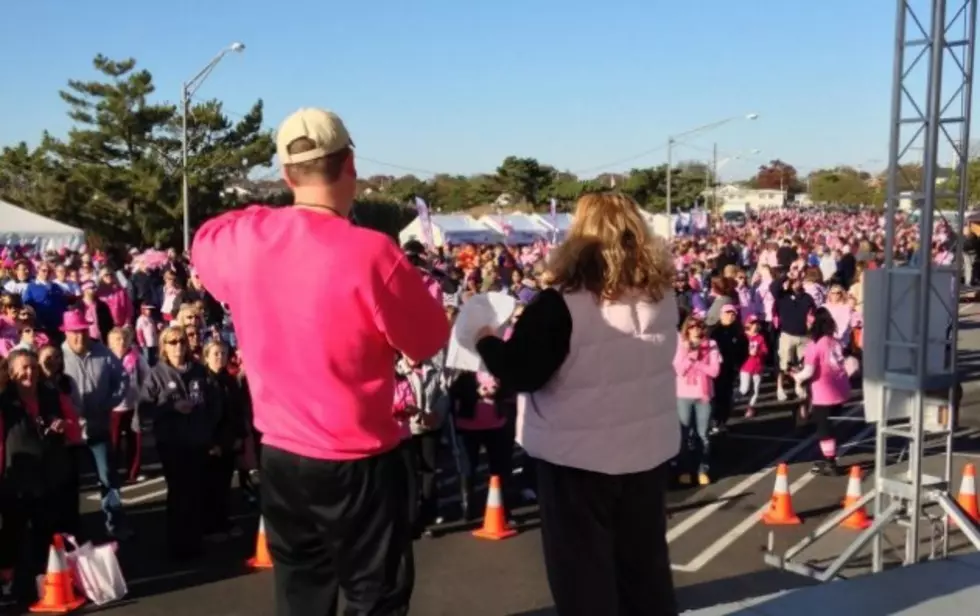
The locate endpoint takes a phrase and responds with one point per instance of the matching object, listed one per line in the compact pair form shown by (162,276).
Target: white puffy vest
(612,406)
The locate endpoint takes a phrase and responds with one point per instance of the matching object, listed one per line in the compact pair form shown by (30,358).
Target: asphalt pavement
(715,538)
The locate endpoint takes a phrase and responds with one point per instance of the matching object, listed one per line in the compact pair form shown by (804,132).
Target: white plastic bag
(96,571)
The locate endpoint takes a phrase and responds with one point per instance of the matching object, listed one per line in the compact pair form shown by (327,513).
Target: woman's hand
(183,406)
(485,332)
(57,426)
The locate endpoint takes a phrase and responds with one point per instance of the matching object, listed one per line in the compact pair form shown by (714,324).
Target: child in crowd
(482,424)
(826,374)
(697,363)
(421,406)
(146,333)
(125,433)
(750,374)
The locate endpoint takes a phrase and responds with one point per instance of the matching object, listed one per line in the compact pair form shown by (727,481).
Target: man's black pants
(605,541)
(335,525)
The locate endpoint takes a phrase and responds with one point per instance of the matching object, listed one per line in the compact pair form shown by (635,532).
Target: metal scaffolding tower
(919,359)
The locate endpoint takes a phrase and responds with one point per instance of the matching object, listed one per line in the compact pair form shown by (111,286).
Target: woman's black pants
(220,469)
(605,541)
(186,470)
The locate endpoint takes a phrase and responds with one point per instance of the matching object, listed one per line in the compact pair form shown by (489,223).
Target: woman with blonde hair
(185,412)
(592,359)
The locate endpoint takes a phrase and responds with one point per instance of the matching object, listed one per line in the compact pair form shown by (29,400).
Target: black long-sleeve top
(537,347)
(793,308)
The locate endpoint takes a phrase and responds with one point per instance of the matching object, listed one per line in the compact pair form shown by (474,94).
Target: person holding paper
(592,358)
(321,308)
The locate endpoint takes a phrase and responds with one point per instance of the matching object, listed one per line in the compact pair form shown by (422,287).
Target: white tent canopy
(451,229)
(18,226)
(518,228)
(561,224)
(659,224)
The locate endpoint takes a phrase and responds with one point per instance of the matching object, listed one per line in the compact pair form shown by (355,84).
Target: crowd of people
(97,350)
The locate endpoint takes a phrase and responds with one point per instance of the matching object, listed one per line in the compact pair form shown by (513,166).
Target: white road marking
(736,532)
(142,498)
(702,514)
(95,496)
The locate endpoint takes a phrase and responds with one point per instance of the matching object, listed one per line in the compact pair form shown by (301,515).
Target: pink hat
(74,321)
(752,318)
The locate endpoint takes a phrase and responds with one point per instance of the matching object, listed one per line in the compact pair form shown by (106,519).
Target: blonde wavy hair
(610,251)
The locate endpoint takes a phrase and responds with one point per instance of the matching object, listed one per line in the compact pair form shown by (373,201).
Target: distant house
(735,197)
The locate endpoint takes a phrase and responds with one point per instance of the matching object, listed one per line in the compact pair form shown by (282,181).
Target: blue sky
(454,86)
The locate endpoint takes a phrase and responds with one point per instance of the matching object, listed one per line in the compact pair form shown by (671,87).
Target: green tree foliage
(117,174)
(528,182)
(525,178)
(842,185)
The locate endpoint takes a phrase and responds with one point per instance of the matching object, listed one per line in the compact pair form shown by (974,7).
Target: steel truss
(924,119)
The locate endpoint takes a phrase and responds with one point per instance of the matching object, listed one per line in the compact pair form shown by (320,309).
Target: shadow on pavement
(144,558)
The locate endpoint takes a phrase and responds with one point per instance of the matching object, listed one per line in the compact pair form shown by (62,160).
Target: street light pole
(714,177)
(187,90)
(185,185)
(670,163)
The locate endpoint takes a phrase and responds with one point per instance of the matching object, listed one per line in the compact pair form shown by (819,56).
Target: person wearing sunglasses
(185,414)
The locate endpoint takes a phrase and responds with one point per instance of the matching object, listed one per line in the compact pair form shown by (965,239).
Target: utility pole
(714,176)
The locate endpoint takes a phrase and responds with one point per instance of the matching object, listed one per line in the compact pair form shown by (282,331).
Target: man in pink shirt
(320,351)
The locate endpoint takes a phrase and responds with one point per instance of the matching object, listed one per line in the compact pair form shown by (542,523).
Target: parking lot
(715,537)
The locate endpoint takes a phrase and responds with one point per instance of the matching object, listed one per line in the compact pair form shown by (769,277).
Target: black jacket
(733,345)
(230,396)
(163,388)
(35,462)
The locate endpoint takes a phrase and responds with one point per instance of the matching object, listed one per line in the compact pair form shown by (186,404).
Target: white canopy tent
(659,224)
(561,224)
(18,226)
(451,229)
(518,228)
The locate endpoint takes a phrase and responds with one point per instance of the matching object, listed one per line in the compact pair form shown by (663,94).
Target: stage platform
(948,587)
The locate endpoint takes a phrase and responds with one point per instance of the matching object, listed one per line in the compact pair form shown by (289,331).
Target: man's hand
(57,426)
(183,406)
(428,420)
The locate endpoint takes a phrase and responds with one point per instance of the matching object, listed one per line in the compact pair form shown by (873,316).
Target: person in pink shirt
(750,374)
(825,372)
(320,352)
(697,363)
(116,298)
(840,308)
(482,424)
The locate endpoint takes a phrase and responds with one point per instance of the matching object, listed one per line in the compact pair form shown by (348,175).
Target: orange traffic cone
(494,523)
(262,558)
(57,596)
(967,498)
(781,506)
(858,520)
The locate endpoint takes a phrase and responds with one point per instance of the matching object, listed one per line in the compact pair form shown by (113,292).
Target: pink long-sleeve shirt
(696,370)
(119,303)
(319,348)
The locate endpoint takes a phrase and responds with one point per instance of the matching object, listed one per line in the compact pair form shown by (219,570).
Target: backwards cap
(324,128)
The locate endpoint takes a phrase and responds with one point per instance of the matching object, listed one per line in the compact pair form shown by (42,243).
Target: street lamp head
(236,46)
(752,116)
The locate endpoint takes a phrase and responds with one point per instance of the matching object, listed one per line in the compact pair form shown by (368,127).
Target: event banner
(425,220)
